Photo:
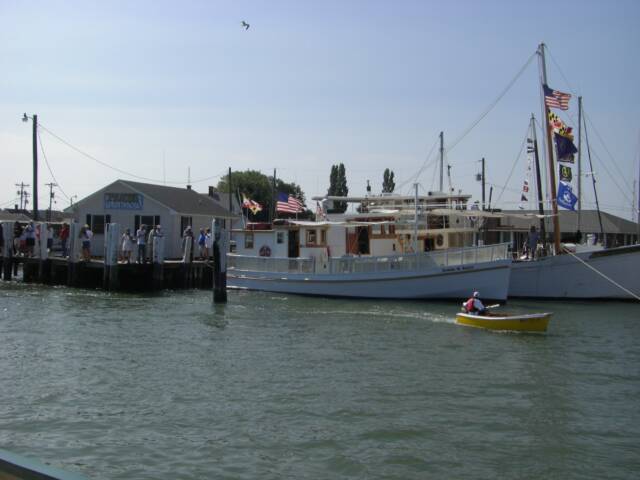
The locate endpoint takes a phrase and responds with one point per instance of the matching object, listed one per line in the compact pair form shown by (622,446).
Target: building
(512,228)
(131,204)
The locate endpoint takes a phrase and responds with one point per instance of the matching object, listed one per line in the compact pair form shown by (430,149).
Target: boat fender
(265,251)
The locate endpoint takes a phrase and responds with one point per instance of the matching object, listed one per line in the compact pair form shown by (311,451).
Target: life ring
(439,240)
(265,251)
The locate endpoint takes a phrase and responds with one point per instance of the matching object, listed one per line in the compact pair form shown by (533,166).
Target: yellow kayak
(532,322)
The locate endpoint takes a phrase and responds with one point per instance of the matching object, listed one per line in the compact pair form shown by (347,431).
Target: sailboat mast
(552,172)
(543,230)
(441,159)
(415,219)
(579,162)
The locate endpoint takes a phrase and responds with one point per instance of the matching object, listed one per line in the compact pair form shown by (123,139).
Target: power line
(104,164)
(46,161)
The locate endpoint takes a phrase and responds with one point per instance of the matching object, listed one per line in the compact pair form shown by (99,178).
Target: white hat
(476,294)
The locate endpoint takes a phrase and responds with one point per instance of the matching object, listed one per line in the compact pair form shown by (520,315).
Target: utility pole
(441,159)
(23,193)
(51,195)
(483,185)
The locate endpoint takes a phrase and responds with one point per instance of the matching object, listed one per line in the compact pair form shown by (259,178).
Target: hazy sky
(154,88)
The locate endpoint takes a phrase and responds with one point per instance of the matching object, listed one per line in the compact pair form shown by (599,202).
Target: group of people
(205,242)
(25,238)
(141,239)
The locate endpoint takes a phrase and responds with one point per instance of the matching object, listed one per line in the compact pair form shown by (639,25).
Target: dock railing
(370,264)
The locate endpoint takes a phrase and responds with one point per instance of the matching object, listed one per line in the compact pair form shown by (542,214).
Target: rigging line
(561,72)
(615,164)
(513,167)
(112,167)
(46,161)
(421,169)
(452,145)
(602,275)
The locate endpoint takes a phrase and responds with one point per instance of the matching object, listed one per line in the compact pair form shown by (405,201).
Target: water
(273,386)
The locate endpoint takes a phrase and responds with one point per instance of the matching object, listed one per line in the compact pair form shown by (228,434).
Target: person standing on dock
(127,246)
(30,237)
(85,236)
(64,238)
(141,236)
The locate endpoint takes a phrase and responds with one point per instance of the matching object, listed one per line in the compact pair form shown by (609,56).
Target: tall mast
(483,185)
(579,162)
(543,231)
(415,220)
(552,171)
(441,159)
(34,199)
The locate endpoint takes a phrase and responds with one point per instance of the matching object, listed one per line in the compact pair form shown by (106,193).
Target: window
(248,240)
(280,237)
(96,223)
(148,220)
(311,237)
(184,223)
(323,237)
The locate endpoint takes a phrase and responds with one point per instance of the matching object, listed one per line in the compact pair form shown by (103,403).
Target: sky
(164,91)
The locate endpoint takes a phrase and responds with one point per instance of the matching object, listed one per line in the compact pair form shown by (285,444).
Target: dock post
(74,252)
(186,262)
(44,264)
(220,261)
(7,249)
(158,262)
(110,278)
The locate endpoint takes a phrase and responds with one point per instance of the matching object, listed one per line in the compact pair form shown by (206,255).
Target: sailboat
(608,273)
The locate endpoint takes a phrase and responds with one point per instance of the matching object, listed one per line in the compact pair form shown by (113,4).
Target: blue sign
(123,201)
(566,198)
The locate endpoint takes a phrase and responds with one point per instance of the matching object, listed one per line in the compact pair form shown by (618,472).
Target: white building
(131,204)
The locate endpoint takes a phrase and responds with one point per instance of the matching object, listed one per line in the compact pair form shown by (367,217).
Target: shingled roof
(183,200)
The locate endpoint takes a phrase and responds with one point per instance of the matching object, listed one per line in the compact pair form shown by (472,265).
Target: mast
(34,200)
(483,185)
(595,191)
(551,165)
(415,220)
(441,159)
(543,231)
(579,162)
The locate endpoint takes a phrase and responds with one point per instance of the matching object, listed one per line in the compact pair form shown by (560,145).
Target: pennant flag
(288,204)
(564,148)
(556,98)
(252,205)
(566,175)
(566,199)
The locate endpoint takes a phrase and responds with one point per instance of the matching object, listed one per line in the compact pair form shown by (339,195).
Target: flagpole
(543,230)
(552,172)
(579,163)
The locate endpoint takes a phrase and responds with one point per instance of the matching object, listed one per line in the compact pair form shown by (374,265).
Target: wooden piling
(220,262)
(186,262)
(73,271)
(110,274)
(157,274)
(7,250)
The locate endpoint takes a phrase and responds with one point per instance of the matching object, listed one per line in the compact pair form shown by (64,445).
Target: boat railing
(370,264)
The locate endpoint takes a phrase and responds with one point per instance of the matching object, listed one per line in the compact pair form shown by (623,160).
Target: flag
(564,148)
(556,98)
(288,204)
(559,127)
(566,198)
(252,205)
(566,175)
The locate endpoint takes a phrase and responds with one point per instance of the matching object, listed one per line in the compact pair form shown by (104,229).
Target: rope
(603,275)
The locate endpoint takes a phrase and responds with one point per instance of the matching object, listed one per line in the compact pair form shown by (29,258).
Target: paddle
(495,305)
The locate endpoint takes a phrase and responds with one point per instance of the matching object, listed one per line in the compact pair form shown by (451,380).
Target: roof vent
(188,187)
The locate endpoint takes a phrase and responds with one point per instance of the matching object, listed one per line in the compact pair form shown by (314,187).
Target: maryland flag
(252,205)
(559,127)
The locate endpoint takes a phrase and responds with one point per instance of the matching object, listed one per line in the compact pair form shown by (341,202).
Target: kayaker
(474,305)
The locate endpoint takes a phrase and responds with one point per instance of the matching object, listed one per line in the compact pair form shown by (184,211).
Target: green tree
(259,187)
(388,184)
(338,187)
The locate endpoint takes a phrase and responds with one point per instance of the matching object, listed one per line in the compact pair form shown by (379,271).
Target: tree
(259,187)
(388,184)
(338,187)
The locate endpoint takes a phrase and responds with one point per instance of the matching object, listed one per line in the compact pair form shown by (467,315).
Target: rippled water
(272,386)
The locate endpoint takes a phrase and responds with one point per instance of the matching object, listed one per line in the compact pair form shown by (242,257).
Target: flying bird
(245,25)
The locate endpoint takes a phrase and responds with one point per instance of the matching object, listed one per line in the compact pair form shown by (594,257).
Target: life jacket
(468,305)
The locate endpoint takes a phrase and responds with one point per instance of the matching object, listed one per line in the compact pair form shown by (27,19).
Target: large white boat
(393,247)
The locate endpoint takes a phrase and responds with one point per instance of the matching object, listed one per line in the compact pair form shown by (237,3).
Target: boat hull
(443,283)
(564,277)
(536,322)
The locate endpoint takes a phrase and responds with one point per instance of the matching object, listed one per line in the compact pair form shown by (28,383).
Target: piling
(44,264)
(157,274)
(186,262)
(74,269)
(110,276)
(7,250)
(220,262)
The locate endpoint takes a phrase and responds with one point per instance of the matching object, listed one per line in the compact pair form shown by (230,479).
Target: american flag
(288,204)
(556,98)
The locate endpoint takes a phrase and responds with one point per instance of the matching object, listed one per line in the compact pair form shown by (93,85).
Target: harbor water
(271,386)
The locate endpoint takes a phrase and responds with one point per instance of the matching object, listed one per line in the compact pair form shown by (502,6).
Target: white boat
(587,275)
(442,275)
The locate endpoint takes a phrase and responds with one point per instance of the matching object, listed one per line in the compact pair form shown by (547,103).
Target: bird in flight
(245,25)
